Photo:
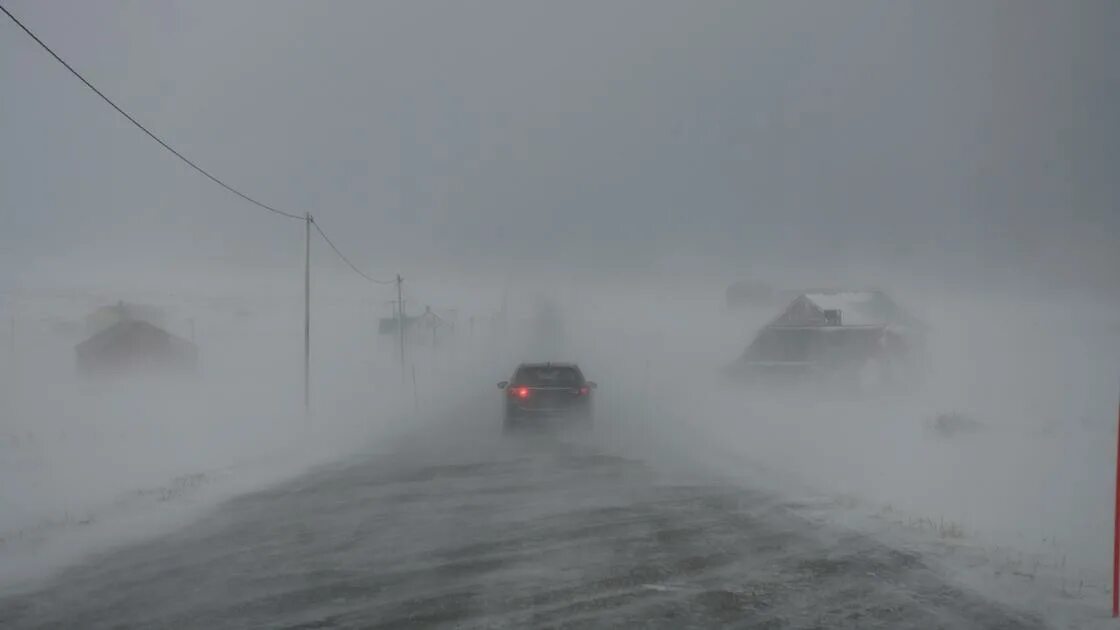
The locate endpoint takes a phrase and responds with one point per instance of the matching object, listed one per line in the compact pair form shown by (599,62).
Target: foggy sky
(975,139)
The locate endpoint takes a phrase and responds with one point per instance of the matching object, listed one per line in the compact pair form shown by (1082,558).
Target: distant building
(837,334)
(422,329)
(390,325)
(133,346)
(107,316)
(828,307)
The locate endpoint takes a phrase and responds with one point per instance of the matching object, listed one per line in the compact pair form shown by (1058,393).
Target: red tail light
(519,392)
(583,391)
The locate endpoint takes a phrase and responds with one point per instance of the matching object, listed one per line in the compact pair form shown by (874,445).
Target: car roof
(555,364)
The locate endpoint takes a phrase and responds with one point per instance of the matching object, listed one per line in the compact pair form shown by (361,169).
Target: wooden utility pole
(400,316)
(307,316)
(415,392)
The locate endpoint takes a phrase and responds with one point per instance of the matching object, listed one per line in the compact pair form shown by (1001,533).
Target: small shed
(430,328)
(133,346)
(836,333)
(390,325)
(423,328)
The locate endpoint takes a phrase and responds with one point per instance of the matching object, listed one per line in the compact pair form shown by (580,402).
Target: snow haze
(576,181)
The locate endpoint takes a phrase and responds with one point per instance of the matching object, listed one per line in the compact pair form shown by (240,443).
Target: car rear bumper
(551,421)
(529,414)
(544,411)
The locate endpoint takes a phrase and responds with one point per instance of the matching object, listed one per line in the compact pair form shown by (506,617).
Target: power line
(188,161)
(345,259)
(145,129)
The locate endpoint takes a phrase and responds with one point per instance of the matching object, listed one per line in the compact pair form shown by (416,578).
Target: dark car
(545,394)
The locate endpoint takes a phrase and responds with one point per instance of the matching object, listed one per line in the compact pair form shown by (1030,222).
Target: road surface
(534,531)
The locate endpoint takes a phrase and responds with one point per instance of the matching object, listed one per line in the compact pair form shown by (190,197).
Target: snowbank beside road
(84,465)
(1019,504)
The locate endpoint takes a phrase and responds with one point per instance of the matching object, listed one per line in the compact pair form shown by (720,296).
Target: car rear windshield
(546,376)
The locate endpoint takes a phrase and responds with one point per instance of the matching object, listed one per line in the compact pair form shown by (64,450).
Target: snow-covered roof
(856,308)
(106,316)
(139,333)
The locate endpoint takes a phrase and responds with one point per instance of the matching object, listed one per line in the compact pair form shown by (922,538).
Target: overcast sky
(972,137)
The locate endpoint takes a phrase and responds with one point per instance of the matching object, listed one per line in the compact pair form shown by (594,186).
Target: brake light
(583,391)
(520,392)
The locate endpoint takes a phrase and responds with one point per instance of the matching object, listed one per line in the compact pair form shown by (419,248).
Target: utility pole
(307,317)
(415,392)
(400,316)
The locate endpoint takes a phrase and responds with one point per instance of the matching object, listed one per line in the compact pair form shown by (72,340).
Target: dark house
(132,346)
(838,335)
(106,316)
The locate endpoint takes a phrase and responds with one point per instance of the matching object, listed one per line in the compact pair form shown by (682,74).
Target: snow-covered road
(531,531)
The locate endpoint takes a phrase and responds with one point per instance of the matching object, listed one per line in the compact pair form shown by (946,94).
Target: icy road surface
(537,531)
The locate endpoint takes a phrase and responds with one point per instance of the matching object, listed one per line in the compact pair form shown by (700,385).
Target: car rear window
(543,376)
